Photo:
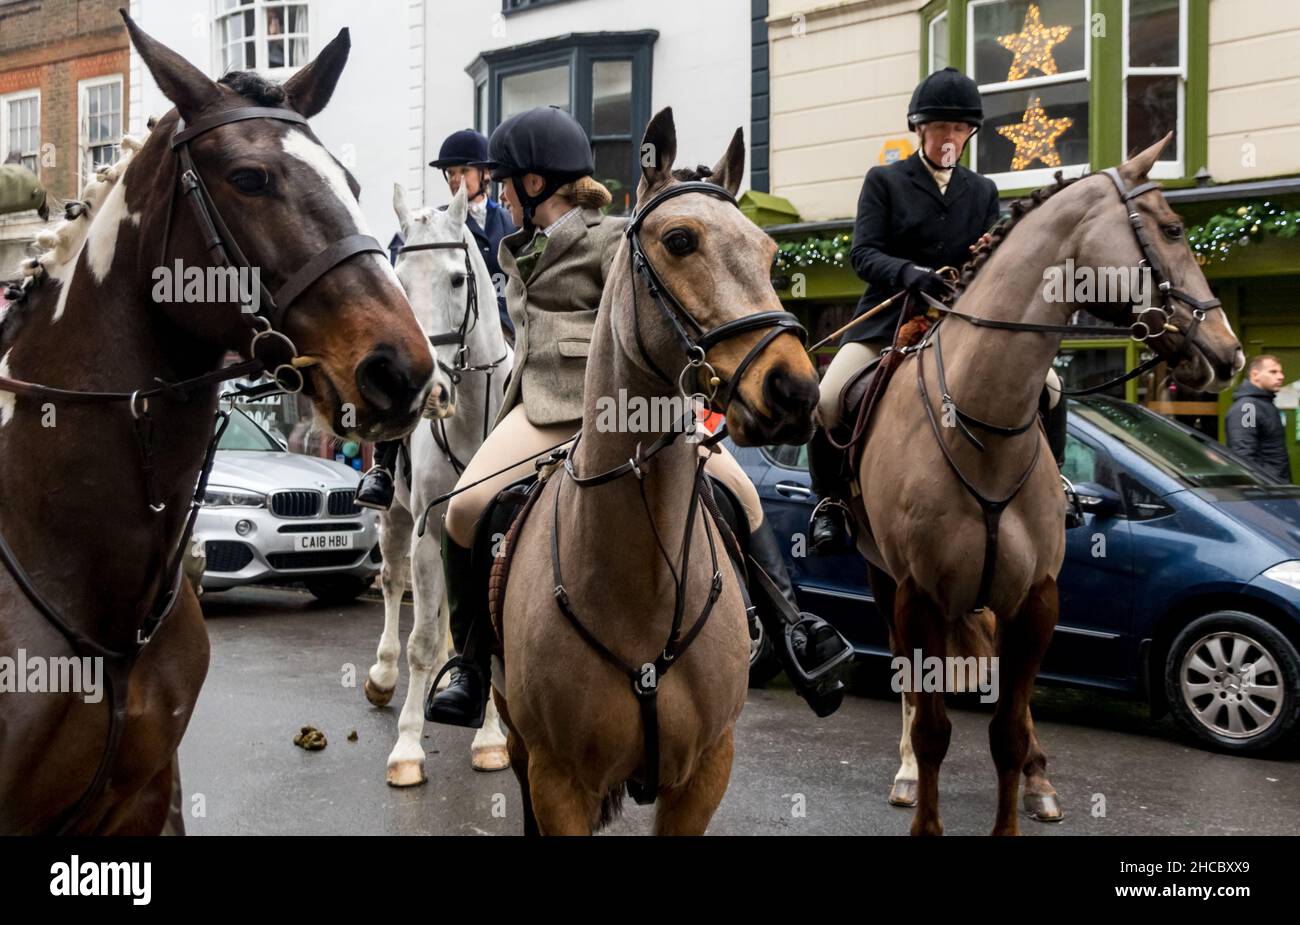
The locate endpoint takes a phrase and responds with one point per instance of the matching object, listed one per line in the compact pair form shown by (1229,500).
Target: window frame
(1036,176)
(1161,170)
(1106,63)
(941,16)
(14,97)
(579,52)
(258,8)
(85,170)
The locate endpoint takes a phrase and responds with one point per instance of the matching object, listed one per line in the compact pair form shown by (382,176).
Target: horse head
(716,265)
(285,200)
(1111,236)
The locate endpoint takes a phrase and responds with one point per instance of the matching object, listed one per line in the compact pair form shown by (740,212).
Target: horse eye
(1174,231)
(679,242)
(249,181)
(457,280)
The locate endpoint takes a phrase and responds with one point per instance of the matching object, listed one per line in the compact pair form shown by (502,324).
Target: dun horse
(955,576)
(689,293)
(95,508)
(451,291)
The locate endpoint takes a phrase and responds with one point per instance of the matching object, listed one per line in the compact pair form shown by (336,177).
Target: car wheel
(337,589)
(764,665)
(1233,681)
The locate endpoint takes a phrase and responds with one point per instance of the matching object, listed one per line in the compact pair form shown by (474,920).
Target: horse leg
(406,761)
(1022,641)
(1039,795)
(686,810)
(175,824)
(489,752)
(381,680)
(919,623)
(903,791)
(518,753)
(559,805)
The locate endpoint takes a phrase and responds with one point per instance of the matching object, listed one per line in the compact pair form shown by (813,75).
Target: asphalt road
(279,660)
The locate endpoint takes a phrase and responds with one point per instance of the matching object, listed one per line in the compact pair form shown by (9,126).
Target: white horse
(438,289)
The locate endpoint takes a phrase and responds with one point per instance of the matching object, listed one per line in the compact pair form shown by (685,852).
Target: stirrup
(808,622)
(847,536)
(464,664)
(1074,514)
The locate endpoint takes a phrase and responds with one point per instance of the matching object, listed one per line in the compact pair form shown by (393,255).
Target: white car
(271,516)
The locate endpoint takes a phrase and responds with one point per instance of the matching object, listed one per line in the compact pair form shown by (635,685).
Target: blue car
(1182,586)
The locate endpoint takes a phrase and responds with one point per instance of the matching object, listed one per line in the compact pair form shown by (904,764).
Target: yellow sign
(895,149)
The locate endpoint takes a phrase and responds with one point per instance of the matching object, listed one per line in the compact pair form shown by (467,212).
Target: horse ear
(181,82)
(310,89)
(658,149)
(400,207)
(459,207)
(728,171)
(1139,165)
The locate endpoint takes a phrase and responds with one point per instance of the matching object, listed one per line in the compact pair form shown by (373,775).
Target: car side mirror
(1098,499)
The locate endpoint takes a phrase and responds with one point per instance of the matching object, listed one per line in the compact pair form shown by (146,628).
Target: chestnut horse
(577,728)
(99,477)
(928,536)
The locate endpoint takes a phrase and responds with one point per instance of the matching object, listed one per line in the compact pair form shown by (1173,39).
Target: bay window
(260,35)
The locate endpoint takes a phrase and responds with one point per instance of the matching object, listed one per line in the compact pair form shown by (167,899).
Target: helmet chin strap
(529,203)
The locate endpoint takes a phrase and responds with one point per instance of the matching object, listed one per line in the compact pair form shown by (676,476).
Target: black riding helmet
(946,96)
(466,148)
(546,141)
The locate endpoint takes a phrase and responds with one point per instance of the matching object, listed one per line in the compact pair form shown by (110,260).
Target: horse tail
(971,636)
(611,806)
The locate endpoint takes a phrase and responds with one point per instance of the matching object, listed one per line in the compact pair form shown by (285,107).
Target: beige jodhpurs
(854,356)
(517,438)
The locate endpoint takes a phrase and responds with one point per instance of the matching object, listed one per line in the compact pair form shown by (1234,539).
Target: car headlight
(221,496)
(1288,573)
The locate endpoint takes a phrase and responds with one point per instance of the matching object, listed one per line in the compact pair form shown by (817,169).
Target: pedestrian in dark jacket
(1254,425)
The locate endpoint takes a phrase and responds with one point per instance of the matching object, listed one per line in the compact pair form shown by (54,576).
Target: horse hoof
(1043,807)
(903,793)
(378,697)
(490,758)
(406,774)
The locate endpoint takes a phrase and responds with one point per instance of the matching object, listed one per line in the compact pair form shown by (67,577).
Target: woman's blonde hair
(586,192)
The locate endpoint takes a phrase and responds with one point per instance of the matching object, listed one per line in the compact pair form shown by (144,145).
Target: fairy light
(1035,136)
(1032,45)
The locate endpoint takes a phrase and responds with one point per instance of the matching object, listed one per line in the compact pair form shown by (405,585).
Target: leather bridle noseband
(463,363)
(1140,331)
(286,376)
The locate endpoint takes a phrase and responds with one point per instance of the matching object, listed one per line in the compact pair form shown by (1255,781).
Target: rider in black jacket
(914,217)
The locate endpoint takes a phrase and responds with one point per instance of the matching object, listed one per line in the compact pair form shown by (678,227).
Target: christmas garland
(1211,240)
(1214,239)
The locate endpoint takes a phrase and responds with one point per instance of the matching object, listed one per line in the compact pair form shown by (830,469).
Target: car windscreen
(243,434)
(1166,445)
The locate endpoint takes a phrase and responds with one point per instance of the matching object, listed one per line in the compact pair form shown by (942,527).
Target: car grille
(290,561)
(295,503)
(226,556)
(320,526)
(341,503)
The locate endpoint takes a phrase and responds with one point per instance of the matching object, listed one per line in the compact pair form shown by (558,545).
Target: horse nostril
(383,381)
(792,395)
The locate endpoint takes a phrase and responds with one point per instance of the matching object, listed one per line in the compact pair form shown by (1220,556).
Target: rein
(287,377)
(469,320)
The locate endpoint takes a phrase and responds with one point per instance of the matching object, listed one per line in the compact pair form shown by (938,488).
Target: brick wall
(50,45)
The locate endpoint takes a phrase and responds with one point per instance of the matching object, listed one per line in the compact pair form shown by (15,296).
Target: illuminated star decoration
(1035,137)
(1032,45)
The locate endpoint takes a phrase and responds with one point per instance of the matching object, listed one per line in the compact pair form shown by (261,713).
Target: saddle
(862,392)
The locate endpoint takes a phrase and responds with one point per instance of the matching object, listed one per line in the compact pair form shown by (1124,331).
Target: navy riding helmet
(466,148)
(946,96)
(546,141)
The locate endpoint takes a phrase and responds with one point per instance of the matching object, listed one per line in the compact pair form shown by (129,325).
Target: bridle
(1141,331)
(267,338)
(463,363)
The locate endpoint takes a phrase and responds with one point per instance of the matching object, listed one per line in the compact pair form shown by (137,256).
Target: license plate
(316,542)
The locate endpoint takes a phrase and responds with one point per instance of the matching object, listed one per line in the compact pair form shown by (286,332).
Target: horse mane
(255,87)
(689,174)
(60,245)
(999,232)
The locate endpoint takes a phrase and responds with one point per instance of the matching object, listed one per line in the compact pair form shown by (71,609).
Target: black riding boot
(464,702)
(808,646)
(376,488)
(830,530)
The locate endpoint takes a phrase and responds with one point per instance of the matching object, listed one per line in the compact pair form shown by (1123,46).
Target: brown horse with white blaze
(93,507)
(925,531)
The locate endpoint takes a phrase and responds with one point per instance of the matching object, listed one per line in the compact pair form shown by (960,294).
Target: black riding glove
(922,279)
